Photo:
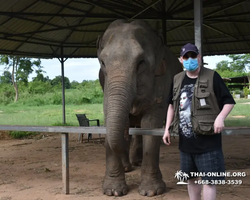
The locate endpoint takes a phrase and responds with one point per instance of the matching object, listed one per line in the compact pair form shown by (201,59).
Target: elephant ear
(98,41)
(161,68)
(99,45)
(101,79)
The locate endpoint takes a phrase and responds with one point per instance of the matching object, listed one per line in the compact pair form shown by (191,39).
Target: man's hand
(219,125)
(219,121)
(166,137)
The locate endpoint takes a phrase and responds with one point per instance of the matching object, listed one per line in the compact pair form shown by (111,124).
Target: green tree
(6,77)
(238,66)
(223,65)
(240,62)
(21,68)
(40,77)
(58,81)
(74,84)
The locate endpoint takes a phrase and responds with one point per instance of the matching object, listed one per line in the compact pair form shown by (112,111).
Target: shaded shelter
(69,28)
(239,82)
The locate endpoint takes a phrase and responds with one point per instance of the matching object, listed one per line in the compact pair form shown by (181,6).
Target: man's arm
(219,121)
(169,119)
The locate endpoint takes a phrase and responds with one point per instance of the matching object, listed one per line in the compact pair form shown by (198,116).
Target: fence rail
(65,130)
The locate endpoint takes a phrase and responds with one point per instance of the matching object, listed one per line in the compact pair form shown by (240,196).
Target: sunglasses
(189,55)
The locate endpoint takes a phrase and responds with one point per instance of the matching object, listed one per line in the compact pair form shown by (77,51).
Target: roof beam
(216,21)
(61,28)
(188,7)
(242,35)
(170,9)
(96,3)
(208,42)
(41,27)
(72,31)
(63,6)
(151,10)
(40,55)
(33,3)
(46,42)
(89,15)
(219,31)
(226,7)
(228,16)
(146,8)
(209,14)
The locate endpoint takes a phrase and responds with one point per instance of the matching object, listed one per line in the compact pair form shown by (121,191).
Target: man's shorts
(209,165)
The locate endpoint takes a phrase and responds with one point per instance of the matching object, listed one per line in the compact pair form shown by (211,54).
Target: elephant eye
(139,64)
(102,63)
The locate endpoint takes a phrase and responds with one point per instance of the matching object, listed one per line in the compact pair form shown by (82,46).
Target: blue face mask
(190,64)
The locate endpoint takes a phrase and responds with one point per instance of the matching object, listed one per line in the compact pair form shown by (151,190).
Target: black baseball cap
(189,47)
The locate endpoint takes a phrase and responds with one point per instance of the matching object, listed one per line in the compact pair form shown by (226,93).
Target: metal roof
(70,28)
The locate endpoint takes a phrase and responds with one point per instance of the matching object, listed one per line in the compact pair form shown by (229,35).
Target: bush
(246,92)
(21,134)
(39,93)
(7,93)
(39,87)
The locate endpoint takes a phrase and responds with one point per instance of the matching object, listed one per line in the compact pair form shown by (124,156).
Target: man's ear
(199,59)
(181,60)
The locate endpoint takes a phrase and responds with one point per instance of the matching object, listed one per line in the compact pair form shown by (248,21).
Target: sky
(88,68)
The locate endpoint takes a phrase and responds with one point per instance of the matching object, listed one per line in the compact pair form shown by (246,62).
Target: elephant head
(132,58)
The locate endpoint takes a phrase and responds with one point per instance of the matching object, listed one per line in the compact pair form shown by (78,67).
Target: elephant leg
(125,157)
(151,177)
(136,150)
(114,180)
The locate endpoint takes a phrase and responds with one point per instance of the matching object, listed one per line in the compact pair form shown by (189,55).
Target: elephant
(136,72)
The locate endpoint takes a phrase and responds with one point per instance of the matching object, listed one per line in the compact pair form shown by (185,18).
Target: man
(200,142)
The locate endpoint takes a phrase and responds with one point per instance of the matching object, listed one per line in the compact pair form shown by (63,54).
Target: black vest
(204,108)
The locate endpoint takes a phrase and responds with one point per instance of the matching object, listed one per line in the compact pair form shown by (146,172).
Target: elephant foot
(128,168)
(152,188)
(114,187)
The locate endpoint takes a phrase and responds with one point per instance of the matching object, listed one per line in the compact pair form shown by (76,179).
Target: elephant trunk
(120,96)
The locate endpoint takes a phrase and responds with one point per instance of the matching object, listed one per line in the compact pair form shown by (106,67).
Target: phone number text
(218,182)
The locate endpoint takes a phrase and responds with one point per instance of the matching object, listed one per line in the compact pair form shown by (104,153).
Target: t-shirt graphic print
(185,110)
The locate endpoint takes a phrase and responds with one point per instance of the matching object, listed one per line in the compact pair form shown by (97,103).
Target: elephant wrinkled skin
(136,74)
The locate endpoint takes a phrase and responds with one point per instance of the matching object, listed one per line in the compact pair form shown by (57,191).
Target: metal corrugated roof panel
(43,28)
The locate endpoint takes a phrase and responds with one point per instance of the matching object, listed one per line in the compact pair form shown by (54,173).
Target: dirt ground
(30,169)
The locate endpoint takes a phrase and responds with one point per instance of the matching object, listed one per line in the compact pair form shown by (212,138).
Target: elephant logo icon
(182,177)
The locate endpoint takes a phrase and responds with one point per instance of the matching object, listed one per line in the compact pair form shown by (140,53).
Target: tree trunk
(14,82)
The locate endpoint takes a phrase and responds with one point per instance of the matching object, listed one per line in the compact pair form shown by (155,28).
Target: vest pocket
(207,127)
(203,127)
(202,102)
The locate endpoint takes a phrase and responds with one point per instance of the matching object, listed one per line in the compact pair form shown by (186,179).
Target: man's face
(188,55)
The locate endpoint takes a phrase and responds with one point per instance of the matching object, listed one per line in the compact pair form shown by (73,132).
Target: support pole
(63,86)
(65,162)
(164,19)
(198,26)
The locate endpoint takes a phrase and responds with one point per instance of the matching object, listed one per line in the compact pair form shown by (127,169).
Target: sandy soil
(30,169)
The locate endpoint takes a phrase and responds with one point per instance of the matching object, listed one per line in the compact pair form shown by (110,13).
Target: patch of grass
(48,115)
(21,134)
(51,115)
(62,124)
(241,108)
